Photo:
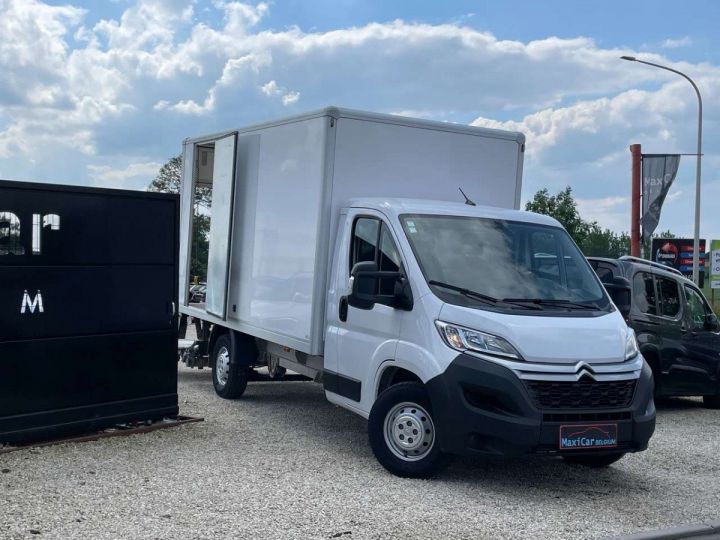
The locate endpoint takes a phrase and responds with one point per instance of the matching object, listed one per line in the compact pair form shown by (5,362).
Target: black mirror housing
(712,323)
(620,290)
(363,283)
(365,279)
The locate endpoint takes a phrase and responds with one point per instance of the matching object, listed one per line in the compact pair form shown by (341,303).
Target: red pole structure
(635,200)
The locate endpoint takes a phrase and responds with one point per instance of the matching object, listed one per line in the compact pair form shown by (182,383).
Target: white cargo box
(277,193)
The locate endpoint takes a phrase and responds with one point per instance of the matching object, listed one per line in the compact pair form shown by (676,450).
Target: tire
(405,408)
(712,402)
(229,378)
(278,374)
(594,462)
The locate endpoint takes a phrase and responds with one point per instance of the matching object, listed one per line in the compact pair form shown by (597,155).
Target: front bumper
(482,408)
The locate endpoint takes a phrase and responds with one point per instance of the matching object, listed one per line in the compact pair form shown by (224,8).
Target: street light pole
(696,242)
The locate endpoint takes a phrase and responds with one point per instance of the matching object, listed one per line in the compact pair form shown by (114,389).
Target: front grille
(585,394)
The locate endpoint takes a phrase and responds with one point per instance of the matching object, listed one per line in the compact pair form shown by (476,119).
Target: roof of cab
(397,207)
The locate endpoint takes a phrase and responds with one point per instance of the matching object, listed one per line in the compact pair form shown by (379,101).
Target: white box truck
(340,248)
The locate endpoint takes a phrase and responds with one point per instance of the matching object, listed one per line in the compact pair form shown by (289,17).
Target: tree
(563,208)
(169,180)
(605,243)
(169,177)
(592,239)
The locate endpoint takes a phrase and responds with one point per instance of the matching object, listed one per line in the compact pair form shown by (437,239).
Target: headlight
(463,339)
(631,346)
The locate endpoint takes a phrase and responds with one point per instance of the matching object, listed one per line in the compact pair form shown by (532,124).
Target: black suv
(678,333)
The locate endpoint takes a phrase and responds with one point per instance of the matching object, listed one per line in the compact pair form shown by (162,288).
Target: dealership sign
(715,264)
(678,253)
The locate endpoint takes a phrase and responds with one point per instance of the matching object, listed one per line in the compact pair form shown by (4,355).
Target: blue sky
(102,93)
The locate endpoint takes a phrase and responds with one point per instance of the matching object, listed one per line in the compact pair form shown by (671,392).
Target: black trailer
(88,296)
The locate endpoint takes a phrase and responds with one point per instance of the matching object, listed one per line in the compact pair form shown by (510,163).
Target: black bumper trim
(482,408)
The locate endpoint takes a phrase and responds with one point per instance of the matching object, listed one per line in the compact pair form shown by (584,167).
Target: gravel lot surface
(284,463)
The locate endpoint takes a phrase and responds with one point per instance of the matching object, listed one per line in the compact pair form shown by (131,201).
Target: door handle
(343,309)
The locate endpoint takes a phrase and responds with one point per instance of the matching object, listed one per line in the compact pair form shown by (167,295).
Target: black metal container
(88,296)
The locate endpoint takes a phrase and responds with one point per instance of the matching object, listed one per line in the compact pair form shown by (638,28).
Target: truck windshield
(503,264)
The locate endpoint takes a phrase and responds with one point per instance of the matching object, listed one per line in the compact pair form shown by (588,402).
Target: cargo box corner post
(87,311)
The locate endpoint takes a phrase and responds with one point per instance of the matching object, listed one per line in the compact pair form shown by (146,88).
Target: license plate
(588,436)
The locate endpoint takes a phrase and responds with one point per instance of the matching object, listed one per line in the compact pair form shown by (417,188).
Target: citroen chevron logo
(33,304)
(583,366)
(583,370)
(584,373)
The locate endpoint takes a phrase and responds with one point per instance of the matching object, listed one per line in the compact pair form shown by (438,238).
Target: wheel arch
(215,332)
(392,374)
(651,354)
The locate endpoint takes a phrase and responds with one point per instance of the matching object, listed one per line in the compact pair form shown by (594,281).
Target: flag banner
(658,173)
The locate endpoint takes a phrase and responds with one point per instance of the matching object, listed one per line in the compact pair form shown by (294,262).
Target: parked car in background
(678,333)
(197,293)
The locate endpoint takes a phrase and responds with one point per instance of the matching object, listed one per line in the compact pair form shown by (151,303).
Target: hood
(549,339)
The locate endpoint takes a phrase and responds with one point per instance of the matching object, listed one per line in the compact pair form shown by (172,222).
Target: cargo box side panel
(280,189)
(376,159)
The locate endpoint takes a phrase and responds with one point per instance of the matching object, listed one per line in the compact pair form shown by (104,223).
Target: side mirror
(365,283)
(712,323)
(620,290)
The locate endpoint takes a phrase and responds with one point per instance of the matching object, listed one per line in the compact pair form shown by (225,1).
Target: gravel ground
(284,463)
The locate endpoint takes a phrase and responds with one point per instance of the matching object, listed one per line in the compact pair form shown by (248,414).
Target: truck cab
(677,331)
(452,332)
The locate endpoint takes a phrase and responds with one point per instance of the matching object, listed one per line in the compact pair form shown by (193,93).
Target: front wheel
(594,462)
(229,378)
(402,432)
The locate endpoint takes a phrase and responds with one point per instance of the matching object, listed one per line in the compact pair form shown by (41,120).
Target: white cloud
(270,88)
(676,43)
(133,176)
(128,90)
(611,212)
(290,98)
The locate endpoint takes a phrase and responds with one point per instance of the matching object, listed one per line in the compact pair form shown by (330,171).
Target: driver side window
(373,242)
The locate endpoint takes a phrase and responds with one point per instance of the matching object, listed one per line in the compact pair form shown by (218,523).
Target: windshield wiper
(550,302)
(476,295)
(465,292)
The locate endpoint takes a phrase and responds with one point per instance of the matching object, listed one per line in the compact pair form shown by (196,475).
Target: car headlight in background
(464,339)
(631,346)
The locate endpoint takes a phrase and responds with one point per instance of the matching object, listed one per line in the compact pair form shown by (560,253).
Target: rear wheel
(275,371)
(229,378)
(402,432)
(594,462)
